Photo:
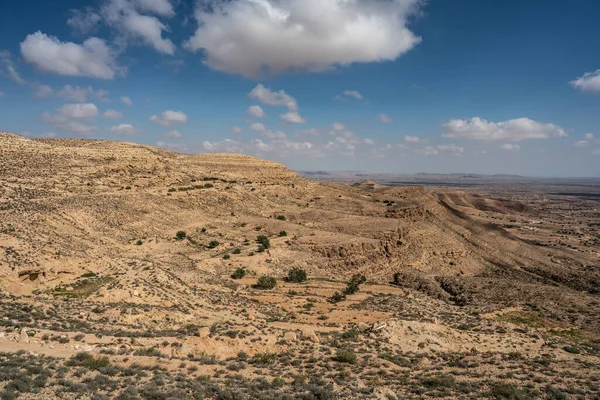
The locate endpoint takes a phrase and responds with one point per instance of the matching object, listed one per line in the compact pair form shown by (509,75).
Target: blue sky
(398,86)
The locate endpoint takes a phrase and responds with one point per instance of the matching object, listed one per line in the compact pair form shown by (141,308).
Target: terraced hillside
(150,263)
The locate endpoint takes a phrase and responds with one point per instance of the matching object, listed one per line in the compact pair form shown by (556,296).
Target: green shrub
(213,244)
(337,297)
(263,241)
(265,282)
(180,235)
(503,390)
(296,275)
(281,217)
(226,257)
(239,273)
(355,282)
(209,186)
(236,251)
(139,243)
(345,356)
(439,381)
(282,233)
(89,361)
(572,349)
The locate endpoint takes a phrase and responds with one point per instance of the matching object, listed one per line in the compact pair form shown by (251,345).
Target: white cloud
(368,141)
(595,152)
(256,111)
(312,132)
(435,150)
(350,94)
(80,94)
(237,130)
(293,117)
(79,111)
(268,97)
(174,135)
(512,130)
(133,21)
(250,37)
(510,147)
(414,139)
(589,136)
(83,21)
(588,82)
(452,149)
(92,59)
(170,118)
(338,126)
(258,127)
(69,118)
(384,118)
(123,129)
(581,143)
(225,146)
(43,91)
(172,146)
(7,68)
(126,100)
(113,114)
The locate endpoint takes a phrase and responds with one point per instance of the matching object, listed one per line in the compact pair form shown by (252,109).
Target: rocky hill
(104,240)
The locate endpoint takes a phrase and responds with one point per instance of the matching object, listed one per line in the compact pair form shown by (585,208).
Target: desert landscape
(133,272)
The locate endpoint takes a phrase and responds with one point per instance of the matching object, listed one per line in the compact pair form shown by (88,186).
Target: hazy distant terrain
(132,272)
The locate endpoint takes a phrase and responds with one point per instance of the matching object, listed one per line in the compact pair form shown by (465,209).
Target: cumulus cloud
(174,135)
(250,37)
(513,130)
(79,111)
(256,111)
(112,114)
(169,118)
(237,130)
(293,117)
(268,97)
(134,21)
(126,100)
(123,129)
(384,118)
(70,117)
(172,146)
(589,136)
(588,82)
(80,94)
(414,139)
(368,141)
(92,59)
(43,91)
(510,147)
(582,143)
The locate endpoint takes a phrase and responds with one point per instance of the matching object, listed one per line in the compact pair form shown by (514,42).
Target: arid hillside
(127,252)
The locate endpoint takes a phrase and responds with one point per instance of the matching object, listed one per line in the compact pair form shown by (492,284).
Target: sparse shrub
(139,243)
(239,273)
(337,297)
(296,275)
(355,282)
(264,241)
(128,188)
(180,235)
(504,390)
(572,349)
(213,244)
(266,283)
(350,334)
(226,257)
(439,381)
(345,356)
(88,275)
(281,217)
(236,251)
(282,234)
(261,249)
(209,186)
(89,361)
